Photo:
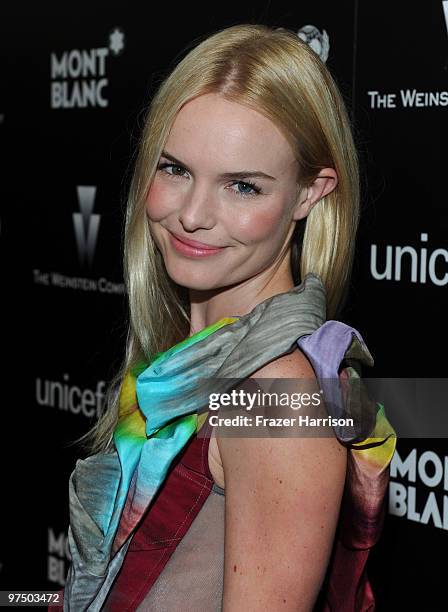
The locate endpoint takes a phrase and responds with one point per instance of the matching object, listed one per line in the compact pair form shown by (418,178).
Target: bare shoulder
(291,365)
(283,496)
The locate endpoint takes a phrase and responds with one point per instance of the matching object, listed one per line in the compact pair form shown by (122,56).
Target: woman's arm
(282,500)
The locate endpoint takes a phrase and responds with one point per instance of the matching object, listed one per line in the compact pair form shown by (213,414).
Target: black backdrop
(75,81)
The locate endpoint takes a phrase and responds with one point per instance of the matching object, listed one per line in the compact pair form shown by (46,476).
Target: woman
(239,243)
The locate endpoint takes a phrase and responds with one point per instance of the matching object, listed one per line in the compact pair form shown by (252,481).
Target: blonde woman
(239,242)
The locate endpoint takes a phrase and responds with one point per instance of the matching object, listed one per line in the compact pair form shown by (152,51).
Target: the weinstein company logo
(86,225)
(445,12)
(411,97)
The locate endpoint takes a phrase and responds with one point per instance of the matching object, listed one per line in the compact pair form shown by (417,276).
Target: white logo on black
(445,12)
(318,41)
(79,76)
(86,225)
(116,41)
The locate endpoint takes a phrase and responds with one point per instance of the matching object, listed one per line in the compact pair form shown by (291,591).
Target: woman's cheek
(157,201)
(258,225)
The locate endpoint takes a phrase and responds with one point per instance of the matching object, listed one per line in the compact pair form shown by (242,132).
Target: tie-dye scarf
(161,408)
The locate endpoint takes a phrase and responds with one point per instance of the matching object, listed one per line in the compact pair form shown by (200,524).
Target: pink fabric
(182,496)
(189,483)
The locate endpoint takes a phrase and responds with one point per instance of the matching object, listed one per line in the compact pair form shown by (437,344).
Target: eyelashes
(255,189)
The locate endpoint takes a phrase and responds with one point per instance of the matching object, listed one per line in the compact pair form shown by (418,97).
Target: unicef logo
(319,42)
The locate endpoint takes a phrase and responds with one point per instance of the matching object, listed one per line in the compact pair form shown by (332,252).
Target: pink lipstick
(193,248)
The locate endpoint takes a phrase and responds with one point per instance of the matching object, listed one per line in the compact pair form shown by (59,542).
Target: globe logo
(319,42)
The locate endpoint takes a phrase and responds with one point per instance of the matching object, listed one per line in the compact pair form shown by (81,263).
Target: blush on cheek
(260,225)
(157,202)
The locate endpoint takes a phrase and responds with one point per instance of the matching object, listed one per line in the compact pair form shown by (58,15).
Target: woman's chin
(199,280)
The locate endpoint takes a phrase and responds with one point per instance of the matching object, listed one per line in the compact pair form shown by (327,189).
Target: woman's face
(226,178)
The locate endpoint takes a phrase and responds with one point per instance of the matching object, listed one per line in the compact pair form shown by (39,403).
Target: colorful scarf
(161,407)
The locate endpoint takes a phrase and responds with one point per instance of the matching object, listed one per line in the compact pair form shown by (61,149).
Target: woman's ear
(323,184)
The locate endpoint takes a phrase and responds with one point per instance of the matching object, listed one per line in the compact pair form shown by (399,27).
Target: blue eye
(254,189)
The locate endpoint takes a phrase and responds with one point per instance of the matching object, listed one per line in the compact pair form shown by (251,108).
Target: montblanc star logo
(116,41)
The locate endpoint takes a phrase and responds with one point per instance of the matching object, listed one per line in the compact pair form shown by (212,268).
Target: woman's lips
(193,248)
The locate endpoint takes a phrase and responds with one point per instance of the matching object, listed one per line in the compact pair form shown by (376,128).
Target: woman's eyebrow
(227,175)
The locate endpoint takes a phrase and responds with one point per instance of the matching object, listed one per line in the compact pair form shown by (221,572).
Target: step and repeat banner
(76,81)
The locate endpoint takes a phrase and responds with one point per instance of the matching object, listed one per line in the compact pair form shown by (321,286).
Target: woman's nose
(198,209)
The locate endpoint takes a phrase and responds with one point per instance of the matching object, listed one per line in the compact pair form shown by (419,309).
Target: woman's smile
(192,248)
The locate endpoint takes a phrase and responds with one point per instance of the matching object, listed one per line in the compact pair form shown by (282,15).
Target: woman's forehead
(220,131)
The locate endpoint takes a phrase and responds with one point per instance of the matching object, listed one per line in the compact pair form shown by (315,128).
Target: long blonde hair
(274,72)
